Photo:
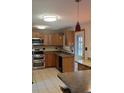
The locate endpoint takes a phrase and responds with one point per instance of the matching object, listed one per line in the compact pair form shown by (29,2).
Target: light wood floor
(46,81)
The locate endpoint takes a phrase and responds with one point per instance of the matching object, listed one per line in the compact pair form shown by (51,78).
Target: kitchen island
(84,64)
(77,82)
(64,62)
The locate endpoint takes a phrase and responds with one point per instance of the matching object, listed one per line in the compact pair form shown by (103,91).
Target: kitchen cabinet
(60,39)
(56,39)
(83,67)
(50,59)
(68,64)
(52,39)
(42,36)
(49,38)
(69,38)
(35,34)
(45,37)
(65,64)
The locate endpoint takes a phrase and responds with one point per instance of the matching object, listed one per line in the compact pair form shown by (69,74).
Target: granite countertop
(64,54)
(86,62)
(77,82)
(59,53)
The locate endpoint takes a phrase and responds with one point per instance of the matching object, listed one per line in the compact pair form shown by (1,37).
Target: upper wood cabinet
(49,38)
(60,39)
(35,34)
(57,39)
(46,39)
(69,38)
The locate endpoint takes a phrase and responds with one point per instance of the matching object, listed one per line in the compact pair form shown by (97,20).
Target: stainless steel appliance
(37,41)
(38,58)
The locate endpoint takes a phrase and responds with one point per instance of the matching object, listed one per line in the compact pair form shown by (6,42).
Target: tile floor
(46,81)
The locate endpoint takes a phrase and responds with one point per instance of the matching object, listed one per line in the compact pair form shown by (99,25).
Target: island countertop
(84,62)
(77,82)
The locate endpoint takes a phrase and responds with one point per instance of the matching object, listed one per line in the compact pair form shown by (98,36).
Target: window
(79,45)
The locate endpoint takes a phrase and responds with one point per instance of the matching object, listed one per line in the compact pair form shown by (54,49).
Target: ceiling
(65,9)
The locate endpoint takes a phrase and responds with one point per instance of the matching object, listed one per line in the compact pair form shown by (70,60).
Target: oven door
(38,64)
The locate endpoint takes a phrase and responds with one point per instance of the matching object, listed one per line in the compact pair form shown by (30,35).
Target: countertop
(59,53)
(64,54)
(77,82)
(86,62)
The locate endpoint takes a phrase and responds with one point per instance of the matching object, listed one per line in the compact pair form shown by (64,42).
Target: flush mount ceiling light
(40,26)
(77,27)
(50,18)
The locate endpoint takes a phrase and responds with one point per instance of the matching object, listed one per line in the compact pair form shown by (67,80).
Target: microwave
(37,41)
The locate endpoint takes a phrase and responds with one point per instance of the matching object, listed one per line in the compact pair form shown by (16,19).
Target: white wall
(87,28)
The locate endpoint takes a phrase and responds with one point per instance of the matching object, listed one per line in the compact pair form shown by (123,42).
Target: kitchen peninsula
(77,82)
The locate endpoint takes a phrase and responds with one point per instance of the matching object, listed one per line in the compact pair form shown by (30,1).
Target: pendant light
(77,27)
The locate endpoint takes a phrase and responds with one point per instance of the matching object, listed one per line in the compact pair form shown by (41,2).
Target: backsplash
(51,48)
(69,49)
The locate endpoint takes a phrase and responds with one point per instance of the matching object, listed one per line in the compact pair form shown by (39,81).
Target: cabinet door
(38,34)
(35,34)
(60,39)
(46,39)
(55,39)
(68,64)
(50,60)
(69,38)
(50,39)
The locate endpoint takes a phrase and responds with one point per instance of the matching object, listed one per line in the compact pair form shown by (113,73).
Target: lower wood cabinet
(83,67)
(68,64)
(65,64)
(50,59)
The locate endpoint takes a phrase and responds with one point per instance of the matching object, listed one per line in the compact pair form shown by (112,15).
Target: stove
(38,58)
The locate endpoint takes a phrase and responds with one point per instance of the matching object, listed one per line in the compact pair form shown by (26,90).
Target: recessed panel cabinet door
(35,34)
(46,39)
(50,60)
(55,39)
(60,39)
(69,38)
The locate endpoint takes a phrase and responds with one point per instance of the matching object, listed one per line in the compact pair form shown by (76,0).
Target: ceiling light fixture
(40,26)
(77,27)
(50,18)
